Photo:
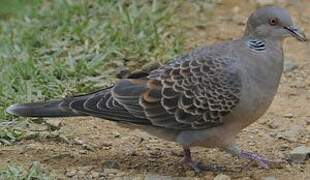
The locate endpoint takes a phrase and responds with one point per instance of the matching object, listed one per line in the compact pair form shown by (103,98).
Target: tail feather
(98,104)
(42,109)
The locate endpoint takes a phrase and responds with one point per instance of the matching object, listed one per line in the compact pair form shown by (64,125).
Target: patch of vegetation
(9,135)
(15,172)
(55,48)
(52,49)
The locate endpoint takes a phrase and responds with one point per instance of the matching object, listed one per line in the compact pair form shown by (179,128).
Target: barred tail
(53,108)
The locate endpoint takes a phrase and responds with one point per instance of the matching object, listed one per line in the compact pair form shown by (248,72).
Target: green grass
(56,48)
(51,49)
(16,172)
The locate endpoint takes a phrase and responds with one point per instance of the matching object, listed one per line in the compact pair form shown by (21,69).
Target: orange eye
(273,21)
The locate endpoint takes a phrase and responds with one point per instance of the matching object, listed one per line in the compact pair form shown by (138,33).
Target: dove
(202,98)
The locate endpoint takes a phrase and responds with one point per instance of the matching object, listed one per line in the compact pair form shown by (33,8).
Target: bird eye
(273,21)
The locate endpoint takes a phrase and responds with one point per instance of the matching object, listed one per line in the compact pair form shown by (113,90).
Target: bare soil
(94,148)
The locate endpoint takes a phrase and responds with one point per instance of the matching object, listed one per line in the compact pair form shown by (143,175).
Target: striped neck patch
(255,44)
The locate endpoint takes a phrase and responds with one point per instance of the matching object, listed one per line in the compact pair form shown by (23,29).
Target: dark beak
(295,32)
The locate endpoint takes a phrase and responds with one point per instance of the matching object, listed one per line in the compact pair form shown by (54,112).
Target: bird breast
(261,73)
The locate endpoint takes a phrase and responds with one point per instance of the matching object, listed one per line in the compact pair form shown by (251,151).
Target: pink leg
(198,167)
(188,161)
(260,160)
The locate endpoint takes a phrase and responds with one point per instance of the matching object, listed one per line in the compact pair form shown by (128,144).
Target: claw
(198,167)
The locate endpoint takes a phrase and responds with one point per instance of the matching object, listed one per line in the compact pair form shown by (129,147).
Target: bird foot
(259,160)
(200,167)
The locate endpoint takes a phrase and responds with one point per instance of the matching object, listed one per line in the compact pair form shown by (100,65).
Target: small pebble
(190,173)
(122,72)
(71,173)
(95,174)
(83,151)
(117,135)
(156,177)
(299,154)
(289,115)
(221,177)
(291,134)
(88,147)
(284,147)
(55,124)
(290,66)
(269,178)
(110,164)
(264,2)
(252,144)
(236,9)
(84,170)
(273,125)
(108,171)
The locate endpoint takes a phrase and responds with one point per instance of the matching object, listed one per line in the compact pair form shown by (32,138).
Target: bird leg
(260,160)
(198,167)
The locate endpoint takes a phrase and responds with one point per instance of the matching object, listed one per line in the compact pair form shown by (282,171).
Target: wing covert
(189,93)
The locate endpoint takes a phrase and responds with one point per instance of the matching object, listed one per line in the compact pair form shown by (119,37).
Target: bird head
(273,23)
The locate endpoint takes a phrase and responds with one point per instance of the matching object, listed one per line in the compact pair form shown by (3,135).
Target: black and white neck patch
(256,44)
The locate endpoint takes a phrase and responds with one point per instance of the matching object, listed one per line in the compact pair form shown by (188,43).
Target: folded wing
(192,93)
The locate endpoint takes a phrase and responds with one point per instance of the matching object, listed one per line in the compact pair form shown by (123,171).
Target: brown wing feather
(192,93)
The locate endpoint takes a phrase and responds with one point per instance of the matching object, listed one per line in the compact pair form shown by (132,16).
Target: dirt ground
(93,148)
